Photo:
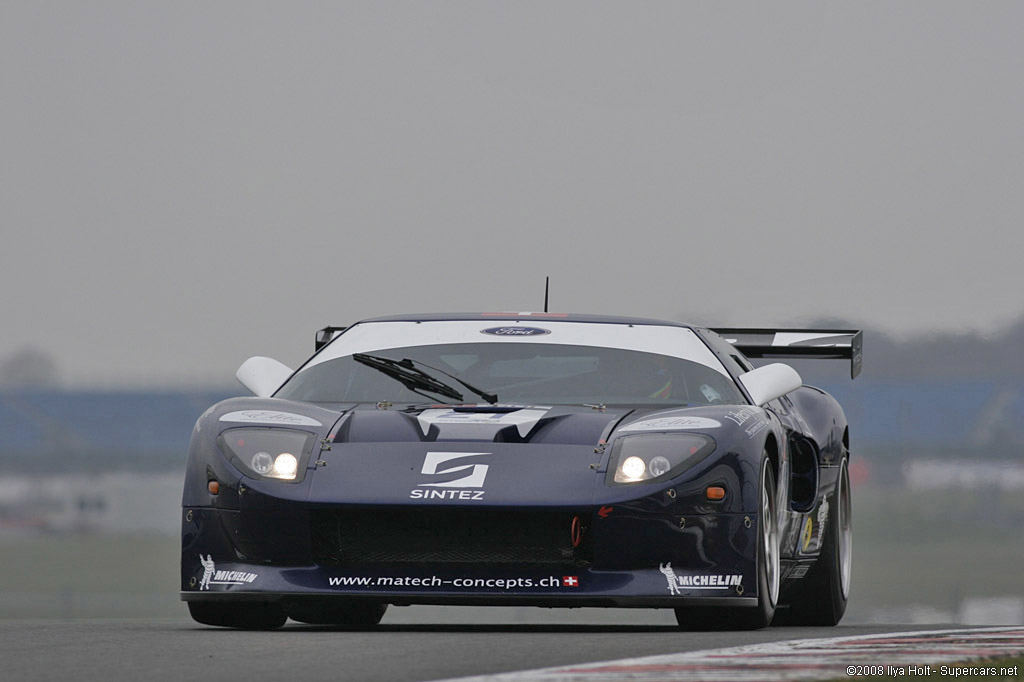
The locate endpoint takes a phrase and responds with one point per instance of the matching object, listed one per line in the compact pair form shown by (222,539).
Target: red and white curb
(892,654)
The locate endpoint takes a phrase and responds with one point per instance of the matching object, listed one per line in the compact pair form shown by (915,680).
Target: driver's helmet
(647,376)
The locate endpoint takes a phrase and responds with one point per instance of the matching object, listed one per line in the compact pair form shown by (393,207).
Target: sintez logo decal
(437,464)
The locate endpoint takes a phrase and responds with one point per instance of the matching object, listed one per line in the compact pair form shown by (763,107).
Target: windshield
(520,373)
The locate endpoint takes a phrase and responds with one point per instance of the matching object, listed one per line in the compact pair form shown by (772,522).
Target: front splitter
(662,587)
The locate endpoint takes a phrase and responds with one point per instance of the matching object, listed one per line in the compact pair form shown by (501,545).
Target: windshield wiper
(405,373)
(489,397)
(413,378)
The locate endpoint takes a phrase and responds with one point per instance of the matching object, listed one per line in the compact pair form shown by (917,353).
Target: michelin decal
(211,576)
(677,583)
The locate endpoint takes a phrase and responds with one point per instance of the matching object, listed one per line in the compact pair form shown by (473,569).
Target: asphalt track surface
(414,643)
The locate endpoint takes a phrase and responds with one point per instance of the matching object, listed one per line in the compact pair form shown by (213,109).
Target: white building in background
(108,502)
(964,474)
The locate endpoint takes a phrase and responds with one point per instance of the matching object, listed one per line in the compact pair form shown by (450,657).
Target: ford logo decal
(515,331)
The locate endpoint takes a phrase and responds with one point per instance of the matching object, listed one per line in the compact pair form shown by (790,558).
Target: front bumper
(625,557)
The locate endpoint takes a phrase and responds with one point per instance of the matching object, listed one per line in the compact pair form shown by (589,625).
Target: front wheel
(768,573)
(821,600)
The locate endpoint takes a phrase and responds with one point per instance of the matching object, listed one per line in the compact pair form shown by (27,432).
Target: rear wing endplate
(827,344)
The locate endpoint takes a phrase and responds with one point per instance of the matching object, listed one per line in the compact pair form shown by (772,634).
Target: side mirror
(767,383)
(326,335)
(262,375)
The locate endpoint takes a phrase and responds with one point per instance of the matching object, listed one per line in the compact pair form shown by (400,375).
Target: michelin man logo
(208,569)
(670,576)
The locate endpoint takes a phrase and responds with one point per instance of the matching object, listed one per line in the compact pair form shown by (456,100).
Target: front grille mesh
(439,536)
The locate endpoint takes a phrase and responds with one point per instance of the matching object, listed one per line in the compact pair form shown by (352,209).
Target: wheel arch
(771,446)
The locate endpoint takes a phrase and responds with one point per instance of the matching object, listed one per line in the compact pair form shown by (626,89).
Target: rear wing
(827,344)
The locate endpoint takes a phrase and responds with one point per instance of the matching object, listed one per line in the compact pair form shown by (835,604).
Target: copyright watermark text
(927,670)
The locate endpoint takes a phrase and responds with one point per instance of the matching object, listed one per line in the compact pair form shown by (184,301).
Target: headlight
(642,459)
(279,454)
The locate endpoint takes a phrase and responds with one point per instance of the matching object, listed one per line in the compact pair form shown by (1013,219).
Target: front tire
(337,611)
(822,598)
(239,615)
(768,572)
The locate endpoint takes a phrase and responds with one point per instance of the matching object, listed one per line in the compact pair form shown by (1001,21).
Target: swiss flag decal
(570,581)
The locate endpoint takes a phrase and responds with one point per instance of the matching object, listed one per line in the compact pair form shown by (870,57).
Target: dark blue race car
(524,459)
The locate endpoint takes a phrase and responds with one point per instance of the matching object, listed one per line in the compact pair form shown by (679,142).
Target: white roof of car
(671,340)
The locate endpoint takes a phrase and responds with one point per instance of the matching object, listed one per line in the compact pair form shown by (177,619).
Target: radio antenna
(547,282)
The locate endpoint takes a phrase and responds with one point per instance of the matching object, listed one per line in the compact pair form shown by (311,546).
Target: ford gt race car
(524,459)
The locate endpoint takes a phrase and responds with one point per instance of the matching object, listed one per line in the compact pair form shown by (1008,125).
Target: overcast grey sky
(185,184)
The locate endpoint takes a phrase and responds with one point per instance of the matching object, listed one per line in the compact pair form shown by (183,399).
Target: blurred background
(184,185)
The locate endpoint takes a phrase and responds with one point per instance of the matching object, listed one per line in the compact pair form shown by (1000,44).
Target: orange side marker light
(715,492)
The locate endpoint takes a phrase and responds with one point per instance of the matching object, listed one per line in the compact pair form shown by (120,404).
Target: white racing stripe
(803,659)
(524,420)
